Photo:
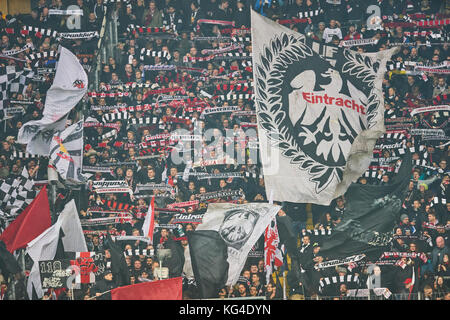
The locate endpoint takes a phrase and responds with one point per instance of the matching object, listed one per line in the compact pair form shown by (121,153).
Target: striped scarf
(216,22)
(118,205)
(139,29)
(349,279)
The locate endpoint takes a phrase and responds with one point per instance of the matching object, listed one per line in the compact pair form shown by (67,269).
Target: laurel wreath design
(274,59)
(363,68)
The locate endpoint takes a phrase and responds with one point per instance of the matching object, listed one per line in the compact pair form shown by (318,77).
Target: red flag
(167,289)
(149,222)
(34,220)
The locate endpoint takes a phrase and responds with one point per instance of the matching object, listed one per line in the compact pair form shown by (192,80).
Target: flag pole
(22,258)
(99,295)
(52,179)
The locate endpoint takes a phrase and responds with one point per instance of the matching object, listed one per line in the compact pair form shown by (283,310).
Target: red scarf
(149,17)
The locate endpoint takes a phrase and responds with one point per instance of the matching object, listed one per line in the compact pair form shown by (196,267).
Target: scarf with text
(78,35)
(430,109)
(208,111)
(16,51)
(399,255)
(218,194)
(338,262)
(193,204)
(357,42)
(107,221)
(222,50)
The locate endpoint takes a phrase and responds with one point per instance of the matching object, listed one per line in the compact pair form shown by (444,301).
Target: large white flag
(240,226)
(45,245)
(69,86)
(66,152)
(320,111)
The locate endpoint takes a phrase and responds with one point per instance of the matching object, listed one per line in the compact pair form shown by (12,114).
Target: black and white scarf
(338,262)
(16,51)
(139,252)
(150,53)
(349,279)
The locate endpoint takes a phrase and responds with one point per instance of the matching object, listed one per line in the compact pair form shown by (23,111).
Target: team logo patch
(78,84)
(237,227)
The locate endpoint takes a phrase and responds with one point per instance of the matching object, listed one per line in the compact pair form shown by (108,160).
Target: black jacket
(102,286)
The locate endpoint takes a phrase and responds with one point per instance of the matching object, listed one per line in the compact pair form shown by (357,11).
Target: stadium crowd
(175,59)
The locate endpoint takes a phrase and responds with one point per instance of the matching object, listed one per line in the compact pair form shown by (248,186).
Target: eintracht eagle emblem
(313,109)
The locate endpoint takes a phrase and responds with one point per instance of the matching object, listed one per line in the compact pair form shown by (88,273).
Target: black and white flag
(66,152)
(8,74)
(320,111)
(239,226)
(21,83)
(69,86)
(16,194)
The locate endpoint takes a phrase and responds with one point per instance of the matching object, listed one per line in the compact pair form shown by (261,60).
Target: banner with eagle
(66,152)
(239,226)
(69,86)
(320,111)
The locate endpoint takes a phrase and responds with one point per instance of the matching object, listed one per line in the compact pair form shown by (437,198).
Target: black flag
(8,263)
(176,261)
(118,263)
(209,255)
(370,216)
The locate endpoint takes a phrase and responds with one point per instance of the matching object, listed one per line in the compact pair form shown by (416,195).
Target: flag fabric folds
(319,111)
(149,223)
(272,252)
(45,246)
(119,265)
(167,289)
(41,248)
(73,239)
(21,83)
(8,75)
(69,86)
(239,226)
(16,194)
(84,258)
(209,254)
(66,151)
(8,263)
(370,215)
(29,224)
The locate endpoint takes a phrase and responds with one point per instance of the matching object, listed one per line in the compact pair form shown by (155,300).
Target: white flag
(69,86)
(45,245)
(240,226)
(73,239)
(41,248)
(320,111)
(66,152)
